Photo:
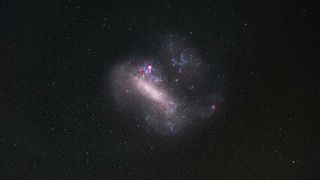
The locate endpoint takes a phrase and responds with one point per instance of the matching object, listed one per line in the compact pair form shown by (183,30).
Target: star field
(159,90)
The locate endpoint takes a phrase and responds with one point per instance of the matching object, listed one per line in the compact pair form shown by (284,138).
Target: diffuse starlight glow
(156,95)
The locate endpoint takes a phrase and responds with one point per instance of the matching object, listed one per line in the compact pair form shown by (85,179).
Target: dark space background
(57,121)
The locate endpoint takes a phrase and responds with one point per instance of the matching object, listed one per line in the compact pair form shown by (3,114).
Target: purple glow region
(169,92)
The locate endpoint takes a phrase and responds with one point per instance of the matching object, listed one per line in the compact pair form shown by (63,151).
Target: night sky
(59,119)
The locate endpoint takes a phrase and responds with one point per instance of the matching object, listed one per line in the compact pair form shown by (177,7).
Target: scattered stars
(103,90)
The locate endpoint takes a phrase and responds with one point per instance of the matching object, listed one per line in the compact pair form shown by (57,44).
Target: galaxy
(159,90)
(169,90)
